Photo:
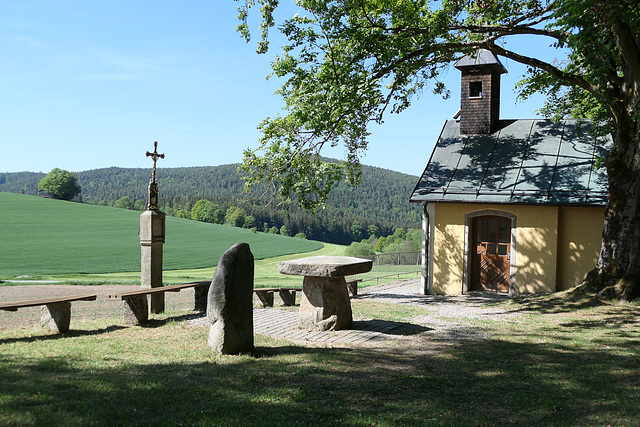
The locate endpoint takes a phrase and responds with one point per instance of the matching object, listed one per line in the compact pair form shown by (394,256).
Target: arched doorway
(490,253)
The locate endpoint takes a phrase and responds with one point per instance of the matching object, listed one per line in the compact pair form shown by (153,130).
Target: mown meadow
(43,237)
(556,361)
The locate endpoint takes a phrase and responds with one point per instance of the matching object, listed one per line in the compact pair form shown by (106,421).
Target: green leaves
(60,183)
(345,64)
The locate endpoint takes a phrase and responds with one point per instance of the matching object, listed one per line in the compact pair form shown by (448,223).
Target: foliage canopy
(61,184)
(347,63)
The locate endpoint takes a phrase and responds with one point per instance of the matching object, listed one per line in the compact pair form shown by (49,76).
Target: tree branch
(628,47)
(501,30)
(569,79)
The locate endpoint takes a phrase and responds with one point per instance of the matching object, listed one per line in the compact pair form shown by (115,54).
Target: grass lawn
(266,272)
(558,362)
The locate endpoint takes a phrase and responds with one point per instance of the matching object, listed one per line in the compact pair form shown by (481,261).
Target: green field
(43,237)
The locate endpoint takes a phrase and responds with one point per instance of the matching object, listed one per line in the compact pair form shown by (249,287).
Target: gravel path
(449,316)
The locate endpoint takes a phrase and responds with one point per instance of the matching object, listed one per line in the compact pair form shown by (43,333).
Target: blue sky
(91,84)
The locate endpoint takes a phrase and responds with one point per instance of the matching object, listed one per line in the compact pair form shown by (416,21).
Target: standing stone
(230,302)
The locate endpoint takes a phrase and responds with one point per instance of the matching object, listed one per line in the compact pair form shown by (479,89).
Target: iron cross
(155,156)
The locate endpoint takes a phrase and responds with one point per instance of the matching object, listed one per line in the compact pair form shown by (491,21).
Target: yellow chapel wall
(536,236)
(579,241)
(448,248)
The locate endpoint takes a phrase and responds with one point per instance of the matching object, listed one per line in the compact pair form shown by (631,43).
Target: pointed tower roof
(482,57)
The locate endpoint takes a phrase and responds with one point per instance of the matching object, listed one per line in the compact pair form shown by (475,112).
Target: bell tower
(480,94)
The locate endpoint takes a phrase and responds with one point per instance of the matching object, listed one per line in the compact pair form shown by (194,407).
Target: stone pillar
(152,231)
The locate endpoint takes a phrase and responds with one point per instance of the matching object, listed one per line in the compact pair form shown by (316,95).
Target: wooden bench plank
(136,305)
(159,289)
(14,306)
(55,312)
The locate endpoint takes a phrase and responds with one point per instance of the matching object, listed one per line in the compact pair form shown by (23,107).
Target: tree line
(376,207)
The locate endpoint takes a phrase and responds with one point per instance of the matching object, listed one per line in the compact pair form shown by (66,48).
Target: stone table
(325,303)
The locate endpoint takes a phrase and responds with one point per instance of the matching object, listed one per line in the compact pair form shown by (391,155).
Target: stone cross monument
(152,231)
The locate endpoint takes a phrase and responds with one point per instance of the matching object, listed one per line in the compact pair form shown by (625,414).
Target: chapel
(509,206)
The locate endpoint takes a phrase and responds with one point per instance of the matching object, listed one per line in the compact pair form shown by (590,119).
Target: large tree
(346,63)
(61,184)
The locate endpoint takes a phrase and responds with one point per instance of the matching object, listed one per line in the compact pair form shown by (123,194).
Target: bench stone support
(352,287)
(56,316)
(136,310)
(265,297)
(287,296)
(200,297)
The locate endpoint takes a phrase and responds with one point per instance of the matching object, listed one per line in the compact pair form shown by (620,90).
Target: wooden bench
(287,295)
(352,286)
(136,307)
(56,312)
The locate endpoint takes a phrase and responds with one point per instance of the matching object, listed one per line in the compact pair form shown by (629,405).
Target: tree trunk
(617,273)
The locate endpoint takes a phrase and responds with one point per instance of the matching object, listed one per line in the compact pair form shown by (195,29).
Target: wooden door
(491,254)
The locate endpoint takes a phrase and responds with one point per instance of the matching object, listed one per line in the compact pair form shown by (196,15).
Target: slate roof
(481,58)
(524,162)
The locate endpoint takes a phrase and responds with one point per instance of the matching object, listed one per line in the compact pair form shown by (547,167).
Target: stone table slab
(326,266)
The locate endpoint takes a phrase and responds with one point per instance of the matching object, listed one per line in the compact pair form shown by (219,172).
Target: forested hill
(380,200)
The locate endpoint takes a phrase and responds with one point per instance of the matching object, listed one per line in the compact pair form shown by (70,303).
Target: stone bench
(136,306)
(287,295)
(56,312)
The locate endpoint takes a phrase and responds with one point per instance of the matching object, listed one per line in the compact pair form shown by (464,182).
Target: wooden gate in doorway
(490,253)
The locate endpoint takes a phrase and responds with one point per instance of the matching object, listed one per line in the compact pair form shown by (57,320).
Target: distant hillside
(43,236)
(381,200)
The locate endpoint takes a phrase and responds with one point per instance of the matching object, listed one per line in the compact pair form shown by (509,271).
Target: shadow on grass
(156,323)
(478,299)
(388,327)
(467,382)
(557,303)
(48,336)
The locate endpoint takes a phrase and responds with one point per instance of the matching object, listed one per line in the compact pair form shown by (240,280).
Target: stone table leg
(56,316)
(325,304)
